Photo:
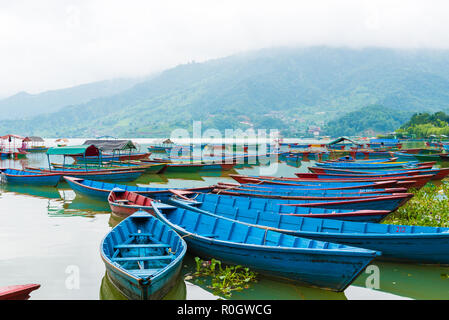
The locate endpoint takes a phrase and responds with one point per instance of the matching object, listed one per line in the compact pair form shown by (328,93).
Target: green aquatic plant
(223,279)
(428,207)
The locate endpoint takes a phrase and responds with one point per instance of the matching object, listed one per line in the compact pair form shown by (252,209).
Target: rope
(236,187)
(182,237)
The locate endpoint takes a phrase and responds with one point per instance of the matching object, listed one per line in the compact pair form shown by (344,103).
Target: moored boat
(103,175)
(372,166)
(420,180)
(143,257)
(30,178)
(249,191)
(219,203)
(322,185)
(125,203)
(314,263)
(438,173)
(17,292)
(396,242)
(101,190)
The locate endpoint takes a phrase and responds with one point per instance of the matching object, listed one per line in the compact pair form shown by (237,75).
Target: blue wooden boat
(316,184)
(256,191)
(143,257)
(101,190)
(220,203)
(103,175)
(303,195)
(314,263)
(396,242)
(438,173)
(30,178)
(383,202)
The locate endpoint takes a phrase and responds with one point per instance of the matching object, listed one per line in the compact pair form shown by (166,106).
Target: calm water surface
(52,236)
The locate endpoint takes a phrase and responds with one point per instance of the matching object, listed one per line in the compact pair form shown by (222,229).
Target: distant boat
(33,144)
(143,257)
(125,203)
(62,142)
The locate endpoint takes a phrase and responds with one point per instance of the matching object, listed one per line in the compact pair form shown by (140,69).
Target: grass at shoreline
(428,207)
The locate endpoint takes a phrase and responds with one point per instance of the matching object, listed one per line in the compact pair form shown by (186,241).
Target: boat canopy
(33,139)
(86,150)
(9,136)
(111,145)
(343,139)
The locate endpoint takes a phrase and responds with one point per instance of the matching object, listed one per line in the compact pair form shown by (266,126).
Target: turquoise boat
(143,257)
(314,263)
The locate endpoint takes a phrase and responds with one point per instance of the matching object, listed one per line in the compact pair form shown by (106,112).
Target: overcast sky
(55,44)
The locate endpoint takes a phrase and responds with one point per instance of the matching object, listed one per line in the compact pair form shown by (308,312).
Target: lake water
(52,236)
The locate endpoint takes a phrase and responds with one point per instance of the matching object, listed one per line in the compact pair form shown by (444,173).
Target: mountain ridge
(280,88)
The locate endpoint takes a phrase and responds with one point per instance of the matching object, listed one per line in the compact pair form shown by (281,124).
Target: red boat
(405,182)
(126,203)
(17,292)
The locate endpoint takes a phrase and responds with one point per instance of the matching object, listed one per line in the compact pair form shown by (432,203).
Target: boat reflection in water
(71,204)
(115,219)
(421,282)
(34,191)
(109,292)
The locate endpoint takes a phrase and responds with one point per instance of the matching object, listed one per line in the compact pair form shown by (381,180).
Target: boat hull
(332,270)
(101,191)
(29,178)
(420,249)
(131,288)
(105,175)
(143,257)
(17,292)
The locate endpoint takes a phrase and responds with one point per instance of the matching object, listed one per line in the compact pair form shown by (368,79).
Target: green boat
(182,167)
(432,157)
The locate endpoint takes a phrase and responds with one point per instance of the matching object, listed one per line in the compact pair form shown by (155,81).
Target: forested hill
(368,121)
(283,88)
(424,125)
(26,105)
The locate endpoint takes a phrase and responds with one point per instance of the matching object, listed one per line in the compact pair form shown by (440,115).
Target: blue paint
(143,256)
(314,263)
